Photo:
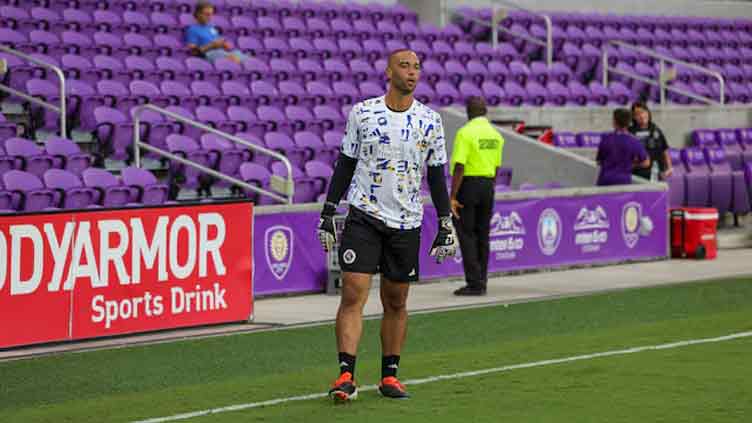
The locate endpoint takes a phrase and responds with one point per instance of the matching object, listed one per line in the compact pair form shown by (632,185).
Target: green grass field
(698,383)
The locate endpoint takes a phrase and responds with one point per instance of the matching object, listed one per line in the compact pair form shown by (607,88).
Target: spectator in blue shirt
(203,38)
(620,152)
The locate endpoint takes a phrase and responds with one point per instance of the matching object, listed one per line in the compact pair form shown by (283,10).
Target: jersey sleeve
(351,140)
(437,154)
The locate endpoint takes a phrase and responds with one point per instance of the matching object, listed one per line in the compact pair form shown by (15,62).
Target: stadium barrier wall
(93,273)
(676,122)
(530,230)
(533,162)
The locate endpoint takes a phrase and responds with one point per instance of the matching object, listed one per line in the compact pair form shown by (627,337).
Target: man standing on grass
(388,141)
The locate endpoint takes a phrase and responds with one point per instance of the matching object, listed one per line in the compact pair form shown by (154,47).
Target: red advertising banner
(66,276)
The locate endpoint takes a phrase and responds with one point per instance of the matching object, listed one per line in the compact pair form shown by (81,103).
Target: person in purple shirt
(619,152)
(203,39)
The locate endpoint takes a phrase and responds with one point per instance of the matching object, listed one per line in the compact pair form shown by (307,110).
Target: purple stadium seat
(265,93)
(238,94)
(292,92)
(28,191)
(300,118)
(704,138)
(283,70)
(698,177)
(245,120)
(209,94)
(117,95)
(179,95)
(71,191)
(728,191)
(311,143)
(189,149)
(216,118)
(172,69)
(255,69)
(68,155)
(28,156)
(284,144)
(203,70)
(515,93)
(146,92)
(274,119)
(257,175)
(114,133)
(7,129)
(346,92)
(493,93)
(447,93)
(677,182)
(735,153)
(320,173)
(224,155)
(112,193)
(41,117)
(328,118)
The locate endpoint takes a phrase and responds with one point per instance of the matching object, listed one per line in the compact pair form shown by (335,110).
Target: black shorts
(369,246)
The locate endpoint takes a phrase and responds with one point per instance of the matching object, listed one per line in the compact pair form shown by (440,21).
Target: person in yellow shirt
(476,156)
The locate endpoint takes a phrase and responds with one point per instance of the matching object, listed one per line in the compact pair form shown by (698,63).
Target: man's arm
(437,185)
(445,243)
(340,181)
(457,177)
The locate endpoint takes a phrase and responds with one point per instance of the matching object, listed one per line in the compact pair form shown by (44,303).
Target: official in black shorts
(476,156)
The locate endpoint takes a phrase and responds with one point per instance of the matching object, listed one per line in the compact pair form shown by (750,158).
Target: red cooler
(693,232)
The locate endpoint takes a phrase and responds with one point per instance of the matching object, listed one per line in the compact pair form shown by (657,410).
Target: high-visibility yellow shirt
(479,147)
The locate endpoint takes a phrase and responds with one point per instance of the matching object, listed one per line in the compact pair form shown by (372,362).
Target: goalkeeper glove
(445,244)
(326,233)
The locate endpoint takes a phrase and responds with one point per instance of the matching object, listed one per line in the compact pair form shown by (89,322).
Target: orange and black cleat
(390,387)
(344,388)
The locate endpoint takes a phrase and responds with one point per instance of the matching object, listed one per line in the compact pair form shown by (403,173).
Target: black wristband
(329,209)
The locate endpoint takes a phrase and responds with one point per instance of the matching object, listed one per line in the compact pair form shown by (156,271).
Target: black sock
(389,365)
(347,363)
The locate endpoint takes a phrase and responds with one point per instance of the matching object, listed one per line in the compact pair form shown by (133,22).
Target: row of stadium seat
(93,188)
(327,10)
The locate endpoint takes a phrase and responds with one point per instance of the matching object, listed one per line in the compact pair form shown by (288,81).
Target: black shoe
(390,387)
(344,388)
(467,291)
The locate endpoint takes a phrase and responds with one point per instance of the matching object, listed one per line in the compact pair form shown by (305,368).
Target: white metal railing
(663,74)
(47,105)
(286,185)
(499,13)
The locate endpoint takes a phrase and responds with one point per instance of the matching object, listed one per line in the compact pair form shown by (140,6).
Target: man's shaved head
(403,70)
(476,107)
(396,55)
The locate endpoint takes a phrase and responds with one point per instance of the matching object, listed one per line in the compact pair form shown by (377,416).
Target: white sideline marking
(461,375)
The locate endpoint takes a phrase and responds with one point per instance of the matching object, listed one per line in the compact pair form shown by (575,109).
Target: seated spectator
(653,140)
(619,152)
(203,38)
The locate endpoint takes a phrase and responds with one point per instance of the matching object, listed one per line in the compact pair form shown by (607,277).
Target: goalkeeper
(388,142)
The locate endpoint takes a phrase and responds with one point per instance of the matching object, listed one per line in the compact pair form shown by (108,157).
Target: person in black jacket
(654,141)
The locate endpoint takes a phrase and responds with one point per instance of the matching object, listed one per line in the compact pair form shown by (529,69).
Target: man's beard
(403,89)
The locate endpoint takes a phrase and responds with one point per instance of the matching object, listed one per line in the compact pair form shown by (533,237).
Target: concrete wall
(677,122)
(532,161)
